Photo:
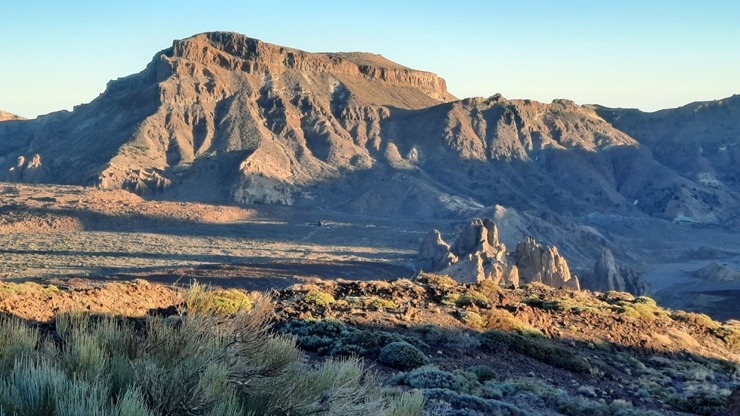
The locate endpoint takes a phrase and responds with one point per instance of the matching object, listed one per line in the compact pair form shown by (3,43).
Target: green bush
(321,299)
(488,407)
(204,300)
(402,355)
(705,403)
(433,378)
(535,347)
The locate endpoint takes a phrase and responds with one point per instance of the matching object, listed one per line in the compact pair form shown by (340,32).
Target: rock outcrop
(607,275)
(718,273)
(29,171)
(435,252)
(543,264)
(477,255)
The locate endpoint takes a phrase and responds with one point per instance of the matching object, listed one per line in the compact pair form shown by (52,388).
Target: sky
(620,53)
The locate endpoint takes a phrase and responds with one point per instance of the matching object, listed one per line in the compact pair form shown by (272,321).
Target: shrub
(487,407)
(321,299)
(432,378)
(537,348)
(332,337)
(472,319)
(372,302)
(489,289)
(699,402)
(472,297)
(16,339)
(204,300)
(454,338)
(402,355)
(503,320)
(437,279)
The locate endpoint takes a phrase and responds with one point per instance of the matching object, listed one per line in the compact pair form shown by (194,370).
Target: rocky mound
(718,273)
(477,255)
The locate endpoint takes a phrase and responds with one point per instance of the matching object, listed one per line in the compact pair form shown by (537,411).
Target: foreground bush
(199,363)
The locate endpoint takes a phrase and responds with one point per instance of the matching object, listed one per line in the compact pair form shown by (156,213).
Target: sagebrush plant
(204,361)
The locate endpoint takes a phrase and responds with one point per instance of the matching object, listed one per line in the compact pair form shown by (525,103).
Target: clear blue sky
(648,54)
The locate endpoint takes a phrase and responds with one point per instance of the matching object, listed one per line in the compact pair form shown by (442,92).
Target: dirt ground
(52,231)
(65,232)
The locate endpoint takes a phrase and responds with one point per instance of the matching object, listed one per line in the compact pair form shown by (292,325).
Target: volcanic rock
(26,171)
(607,275)
(477,255)
(543,264)
(435,252)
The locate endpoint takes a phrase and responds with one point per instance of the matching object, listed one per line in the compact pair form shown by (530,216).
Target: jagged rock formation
(477,255)
(436,252)
(543,264)
(607,275)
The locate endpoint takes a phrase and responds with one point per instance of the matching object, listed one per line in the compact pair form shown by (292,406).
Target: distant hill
(224,117)
(4,116)
(700,141)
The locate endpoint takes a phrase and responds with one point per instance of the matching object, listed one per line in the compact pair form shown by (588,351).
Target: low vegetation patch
(317,298)
(334,338)
(206,361)
(204,300)
(536,347)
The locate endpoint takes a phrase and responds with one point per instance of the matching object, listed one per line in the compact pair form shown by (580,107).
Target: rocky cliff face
(251,119)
